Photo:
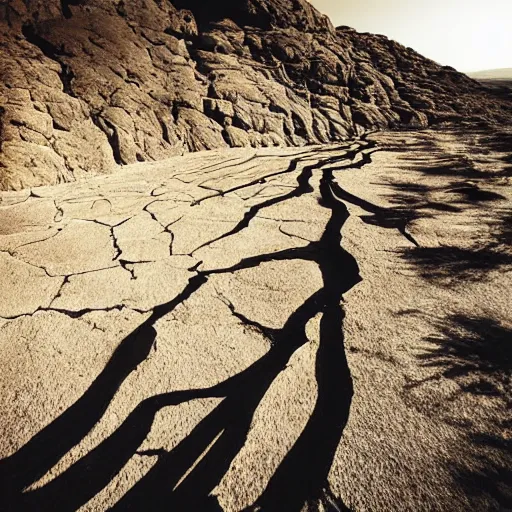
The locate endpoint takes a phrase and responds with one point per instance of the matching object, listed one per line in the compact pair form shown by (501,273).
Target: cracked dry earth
(320,328)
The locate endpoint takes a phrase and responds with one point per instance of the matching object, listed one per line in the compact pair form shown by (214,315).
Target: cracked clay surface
(315,328)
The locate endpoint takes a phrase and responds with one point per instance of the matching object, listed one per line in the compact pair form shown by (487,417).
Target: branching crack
(166,228)
(76,314)
(268,332)
(184,477)
(303,188)
(291,235)
(115,243)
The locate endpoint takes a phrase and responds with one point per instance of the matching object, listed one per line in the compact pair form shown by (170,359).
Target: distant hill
(492,74)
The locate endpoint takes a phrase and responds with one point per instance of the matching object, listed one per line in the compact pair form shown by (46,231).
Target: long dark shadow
(226,427)
(46,448)
(303,474)
(185,477)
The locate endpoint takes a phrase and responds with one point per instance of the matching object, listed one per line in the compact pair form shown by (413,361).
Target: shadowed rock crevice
(66,6)
(112,136)
(66,74)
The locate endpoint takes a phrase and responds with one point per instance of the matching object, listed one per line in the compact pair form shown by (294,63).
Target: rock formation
(89,84)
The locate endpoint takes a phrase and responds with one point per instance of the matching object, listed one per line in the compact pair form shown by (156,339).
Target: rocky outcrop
(89,84)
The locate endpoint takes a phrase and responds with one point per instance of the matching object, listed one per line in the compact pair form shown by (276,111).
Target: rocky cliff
(89,84)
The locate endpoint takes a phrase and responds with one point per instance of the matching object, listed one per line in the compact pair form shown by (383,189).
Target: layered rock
(89,84)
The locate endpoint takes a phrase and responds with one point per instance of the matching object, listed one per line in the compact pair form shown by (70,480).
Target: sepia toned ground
(317,328)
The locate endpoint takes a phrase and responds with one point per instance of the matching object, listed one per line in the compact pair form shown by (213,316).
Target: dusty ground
(172,336)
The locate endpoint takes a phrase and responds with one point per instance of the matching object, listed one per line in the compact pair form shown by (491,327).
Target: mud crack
(185,477)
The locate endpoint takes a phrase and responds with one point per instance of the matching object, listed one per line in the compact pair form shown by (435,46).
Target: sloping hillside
(86,85)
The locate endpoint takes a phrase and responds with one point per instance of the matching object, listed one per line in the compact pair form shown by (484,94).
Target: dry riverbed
(264,330)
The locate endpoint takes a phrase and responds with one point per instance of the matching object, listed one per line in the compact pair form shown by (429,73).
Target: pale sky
(470,35)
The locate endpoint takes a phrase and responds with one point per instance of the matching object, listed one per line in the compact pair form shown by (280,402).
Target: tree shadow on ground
(464,188)
(462,167)
(499,142)
(502,230)
(486,476)
(419,195)
(476,353)
(471,193)
(416,197)
(441,162)
(451,262)
(413,200)
(491,250)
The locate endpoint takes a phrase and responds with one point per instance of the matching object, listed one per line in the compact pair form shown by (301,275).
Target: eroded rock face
(88,84)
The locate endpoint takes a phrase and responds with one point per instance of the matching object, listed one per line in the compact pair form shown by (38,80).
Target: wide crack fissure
(301,476)
(111,134)
(165,228)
